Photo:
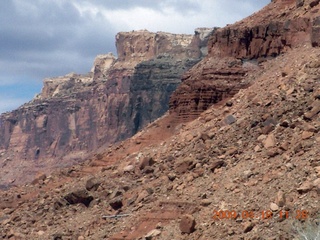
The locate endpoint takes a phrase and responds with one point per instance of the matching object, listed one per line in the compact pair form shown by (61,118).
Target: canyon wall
(76,114)
(235,50)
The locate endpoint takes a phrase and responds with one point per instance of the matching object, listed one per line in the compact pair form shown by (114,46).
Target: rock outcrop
(216,80)
(236,50)
(241,168)
(76,114)
(246,168)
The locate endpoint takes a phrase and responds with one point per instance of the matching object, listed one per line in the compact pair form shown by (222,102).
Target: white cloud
(170,19)
(48,38)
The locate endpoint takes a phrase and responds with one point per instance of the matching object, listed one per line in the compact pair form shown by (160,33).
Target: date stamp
(262,215)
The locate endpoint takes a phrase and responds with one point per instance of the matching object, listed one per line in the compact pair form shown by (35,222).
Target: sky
(48,38)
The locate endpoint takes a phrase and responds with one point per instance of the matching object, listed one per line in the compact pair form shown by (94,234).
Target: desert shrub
(307,230)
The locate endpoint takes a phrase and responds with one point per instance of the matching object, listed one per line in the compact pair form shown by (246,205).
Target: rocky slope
(236,50)
(246,168)
(259,155)
(76,114)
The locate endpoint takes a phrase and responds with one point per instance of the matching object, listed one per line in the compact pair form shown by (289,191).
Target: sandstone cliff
(246,168)
(75,114)
(236,50)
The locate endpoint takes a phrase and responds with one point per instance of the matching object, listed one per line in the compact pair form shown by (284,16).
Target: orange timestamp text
(263,215)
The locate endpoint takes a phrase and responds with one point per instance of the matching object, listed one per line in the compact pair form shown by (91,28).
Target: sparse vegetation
(307,230)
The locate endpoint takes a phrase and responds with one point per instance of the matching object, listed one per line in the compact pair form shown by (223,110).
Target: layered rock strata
(235,50)
(76,114)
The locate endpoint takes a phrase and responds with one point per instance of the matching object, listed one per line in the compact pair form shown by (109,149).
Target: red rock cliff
(76,114)
(235,50)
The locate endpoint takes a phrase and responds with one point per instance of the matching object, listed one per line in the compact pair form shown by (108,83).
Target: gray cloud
(178,5)
(41,39)
(46,33)
(124,4)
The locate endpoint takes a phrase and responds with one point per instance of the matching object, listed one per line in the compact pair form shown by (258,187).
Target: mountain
(235,157)
(76,114)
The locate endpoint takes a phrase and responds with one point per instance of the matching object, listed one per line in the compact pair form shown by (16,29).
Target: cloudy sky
(46,38)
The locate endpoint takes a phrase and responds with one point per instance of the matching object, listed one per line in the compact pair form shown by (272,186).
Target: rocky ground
(246,168)
(76,114)
(256,152)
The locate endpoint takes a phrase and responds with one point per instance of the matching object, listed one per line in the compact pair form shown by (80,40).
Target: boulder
(280,199)
(217,164)
(270,141)
(187,224)
(116,203)
(40,177)
(93,184)
(146,162)
(184,165)
(305,187)
(79,196)
(306,135)
(152,234)
(299,3)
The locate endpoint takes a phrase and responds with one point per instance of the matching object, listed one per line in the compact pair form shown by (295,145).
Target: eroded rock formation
(247,169)
(235,50)
(76,114)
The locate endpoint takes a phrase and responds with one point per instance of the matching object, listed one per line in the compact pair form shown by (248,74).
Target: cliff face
(76,114)
(257,155)
(142,45)
(236,50)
